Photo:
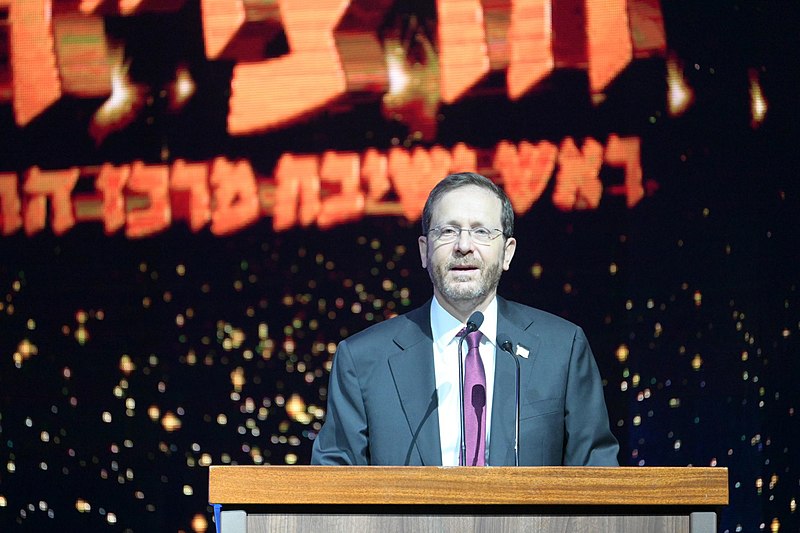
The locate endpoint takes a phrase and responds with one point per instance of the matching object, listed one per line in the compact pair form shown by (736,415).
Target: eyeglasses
(448,234)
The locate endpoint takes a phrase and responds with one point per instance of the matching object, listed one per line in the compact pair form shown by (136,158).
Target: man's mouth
(463,268)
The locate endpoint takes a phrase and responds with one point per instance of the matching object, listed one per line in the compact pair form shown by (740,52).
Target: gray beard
(457,292)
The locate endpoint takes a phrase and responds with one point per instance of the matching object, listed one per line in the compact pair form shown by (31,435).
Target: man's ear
(508,253)
(423,250)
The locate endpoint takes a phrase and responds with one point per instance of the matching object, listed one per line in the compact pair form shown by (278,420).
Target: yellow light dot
(775,526)
(81,335)
(237,379)
(126,365)
(637,420)
(537,270)
(170,422)
(290,459)
(187,490)
(622,353)
(82,505)
(296,408)
(697,362)
(199,523)
(612,269)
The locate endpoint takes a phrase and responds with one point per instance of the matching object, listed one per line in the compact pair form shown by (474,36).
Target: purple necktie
(474,402)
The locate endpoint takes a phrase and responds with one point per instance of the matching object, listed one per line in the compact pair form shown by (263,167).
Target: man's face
(464,273)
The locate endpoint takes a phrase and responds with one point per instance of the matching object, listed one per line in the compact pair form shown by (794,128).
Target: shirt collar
(445,326)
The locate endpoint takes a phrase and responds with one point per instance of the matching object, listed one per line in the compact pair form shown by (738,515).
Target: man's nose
(464,242)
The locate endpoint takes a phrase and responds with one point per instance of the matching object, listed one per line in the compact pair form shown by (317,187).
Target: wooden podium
(260,499)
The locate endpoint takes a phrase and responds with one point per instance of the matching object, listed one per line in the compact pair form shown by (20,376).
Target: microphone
(505,344)
(473,323)
(478,402)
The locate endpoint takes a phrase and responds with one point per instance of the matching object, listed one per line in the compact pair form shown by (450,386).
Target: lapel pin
(522,351)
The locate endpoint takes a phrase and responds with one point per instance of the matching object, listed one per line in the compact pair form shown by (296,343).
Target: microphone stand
(507,346)
(473,323)
(462,457)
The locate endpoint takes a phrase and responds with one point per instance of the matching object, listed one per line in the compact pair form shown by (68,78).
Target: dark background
(703,291)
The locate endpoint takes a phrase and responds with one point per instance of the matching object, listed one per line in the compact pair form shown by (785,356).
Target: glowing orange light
(758,104)
(199,523)
(679,94)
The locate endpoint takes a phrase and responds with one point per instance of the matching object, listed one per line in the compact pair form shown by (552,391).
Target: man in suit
(393,397)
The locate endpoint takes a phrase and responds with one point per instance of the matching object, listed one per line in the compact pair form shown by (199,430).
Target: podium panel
(444,499)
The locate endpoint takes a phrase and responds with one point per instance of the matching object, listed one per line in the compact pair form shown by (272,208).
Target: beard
(464,287)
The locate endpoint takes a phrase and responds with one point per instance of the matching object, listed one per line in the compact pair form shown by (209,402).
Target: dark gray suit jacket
(382,396)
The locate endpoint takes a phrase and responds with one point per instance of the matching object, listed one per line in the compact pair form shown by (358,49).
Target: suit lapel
(516,326)
(413,373)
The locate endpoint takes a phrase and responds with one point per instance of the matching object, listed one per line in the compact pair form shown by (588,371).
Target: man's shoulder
(413,322)
(538,317)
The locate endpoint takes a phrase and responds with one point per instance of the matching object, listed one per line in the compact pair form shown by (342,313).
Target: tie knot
(474,339)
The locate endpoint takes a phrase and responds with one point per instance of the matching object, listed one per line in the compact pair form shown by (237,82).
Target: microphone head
(478,396)
(505,344)
(474,321)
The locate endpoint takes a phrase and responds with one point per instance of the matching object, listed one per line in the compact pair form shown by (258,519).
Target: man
(394,395)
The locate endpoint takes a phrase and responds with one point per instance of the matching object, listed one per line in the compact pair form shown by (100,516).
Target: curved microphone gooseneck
(473,323)
(505,344)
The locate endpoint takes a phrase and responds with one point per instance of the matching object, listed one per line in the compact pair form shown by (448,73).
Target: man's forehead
(465,201)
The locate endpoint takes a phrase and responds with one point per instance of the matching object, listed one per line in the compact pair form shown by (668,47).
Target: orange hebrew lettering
(235,196)
(578,183)
(609,41)
(463,57)
(270,93)
(129,7)
(414,175)
(33,61)
(189,193)
(342,170)
(111,184)
(375,173)
(525,170)
(10,204)
(647,28)
(153,182)
(54,184)
(297,191)
(530,45)
(465,159)
(626,152)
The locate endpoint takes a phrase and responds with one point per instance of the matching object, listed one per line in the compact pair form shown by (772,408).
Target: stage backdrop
(200,198)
